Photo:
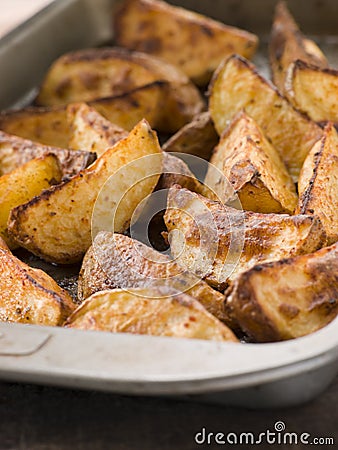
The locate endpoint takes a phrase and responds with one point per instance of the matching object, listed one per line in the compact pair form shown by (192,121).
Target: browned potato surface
(286,299)
(117,261)
(246,164)
(57,225)
(196,44)
(318,183)
(137,311)
(29,295)
(237,86)
(218,242)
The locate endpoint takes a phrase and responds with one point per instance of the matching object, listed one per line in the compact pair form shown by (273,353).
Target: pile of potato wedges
(249,250)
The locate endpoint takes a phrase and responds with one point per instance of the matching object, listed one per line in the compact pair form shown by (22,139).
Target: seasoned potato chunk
(318,183)
(256,173)
(138,311)
(184,38)
(288,298)
(29,295)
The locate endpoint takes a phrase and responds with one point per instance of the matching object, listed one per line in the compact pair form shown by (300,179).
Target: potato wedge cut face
(219,242)
(237,86)
(255,170)
(318,183)
(57,225)
(117,261)
(24,183)
(138,311)
(30,295)
(194,43)
(287,44)
(286,299)
(15,151)
(321,103)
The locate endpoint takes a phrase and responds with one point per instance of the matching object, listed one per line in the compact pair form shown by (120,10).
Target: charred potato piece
(137,311)
(117,261)
(286,299)
(15,151)
(29,295)
(318,183)
(90,131)
(287,44)
(196,44)
(237,86)
(197,138)
(50,126)
(24,183)
(90,74)
(57,224)
(256,173)
(313,91)
(218,242)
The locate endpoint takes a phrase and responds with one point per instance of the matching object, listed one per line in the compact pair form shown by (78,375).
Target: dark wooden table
(36,417)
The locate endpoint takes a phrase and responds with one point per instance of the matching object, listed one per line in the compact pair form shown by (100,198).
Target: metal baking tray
(253,375)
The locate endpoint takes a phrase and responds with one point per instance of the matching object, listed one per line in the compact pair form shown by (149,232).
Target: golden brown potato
(86,75)
(217,242)
(286,299)
(117,261)
(318,183)
(246,164)
(237,86)
(313,91)
(90,131)
(57,225)
(15,151)
(196,44)
(50,126)
(197,138)
(24,183)
(287,44)
(30,295)
(137,311)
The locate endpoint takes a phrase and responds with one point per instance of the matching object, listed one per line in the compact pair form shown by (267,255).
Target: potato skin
(286,299)
(138,311)
(236,85)
(29,295)
(287,44)
(57,225)
(265,237)
(256,173)
(117,261)
(318,183)
(195,43)
(15,151)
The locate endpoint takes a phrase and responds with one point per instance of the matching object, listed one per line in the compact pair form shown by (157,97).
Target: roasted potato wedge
(86,75)
(57,224)
(286,299)
(237,86)
(50,126)
(24,183)
(287,44)
(196,44)
(29,295)
(15,151)
(256,173)
(313,91)
(90,130)
(218,242)
(117,261)
(137,311)
(318,183)
(197,138)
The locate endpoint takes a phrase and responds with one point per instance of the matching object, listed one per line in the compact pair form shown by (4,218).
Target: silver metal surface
(256,375)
